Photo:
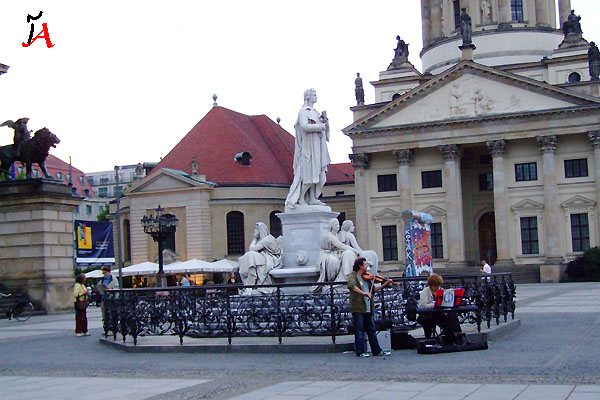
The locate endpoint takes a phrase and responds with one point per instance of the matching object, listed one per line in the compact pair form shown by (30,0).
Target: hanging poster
(94,243)
(417,243)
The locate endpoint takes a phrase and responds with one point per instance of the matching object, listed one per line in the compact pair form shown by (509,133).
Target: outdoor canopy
(178,267)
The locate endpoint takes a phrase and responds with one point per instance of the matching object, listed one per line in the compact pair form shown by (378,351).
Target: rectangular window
(431,179)
(386,183)
(59,176)
(529,235)
(516,8)
(88,209)
(102,192)
(437,245)
(390,242)
(576,168)
(91,180)
(486,182)
(36,173)
(81,179)
(100,209)
(118,190)
(526,172)
(580,232)
(76,209)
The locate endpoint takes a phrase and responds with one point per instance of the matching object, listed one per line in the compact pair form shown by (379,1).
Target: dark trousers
(363,322)
(80,321)
(448,321)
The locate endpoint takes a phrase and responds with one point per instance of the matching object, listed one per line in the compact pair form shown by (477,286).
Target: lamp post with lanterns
(160,228)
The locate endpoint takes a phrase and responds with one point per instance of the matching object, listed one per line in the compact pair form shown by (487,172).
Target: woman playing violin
(362,307)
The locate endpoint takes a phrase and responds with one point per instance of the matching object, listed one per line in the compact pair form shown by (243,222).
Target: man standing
(486,269)
(362,306)
(311,156)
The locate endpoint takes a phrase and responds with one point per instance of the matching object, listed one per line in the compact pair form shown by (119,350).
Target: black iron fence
(290,310)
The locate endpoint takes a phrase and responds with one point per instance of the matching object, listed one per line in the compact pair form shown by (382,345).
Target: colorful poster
(417,243)
(94,243)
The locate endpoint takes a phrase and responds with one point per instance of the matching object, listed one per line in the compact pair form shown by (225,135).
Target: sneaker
(365,355)
(383,353)
(86,334)
(79,334)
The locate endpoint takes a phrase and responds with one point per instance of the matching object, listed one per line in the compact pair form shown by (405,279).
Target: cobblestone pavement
(555,351)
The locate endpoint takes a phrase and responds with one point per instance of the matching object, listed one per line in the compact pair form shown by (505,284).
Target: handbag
(81,305)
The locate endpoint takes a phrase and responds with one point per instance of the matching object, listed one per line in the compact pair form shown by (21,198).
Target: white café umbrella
(145,268)
(97,273)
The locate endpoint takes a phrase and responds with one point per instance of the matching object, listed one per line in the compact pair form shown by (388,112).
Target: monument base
(302,228)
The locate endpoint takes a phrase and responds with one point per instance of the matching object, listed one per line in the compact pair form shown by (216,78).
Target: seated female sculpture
(335,257)
(347,237)
(264,254)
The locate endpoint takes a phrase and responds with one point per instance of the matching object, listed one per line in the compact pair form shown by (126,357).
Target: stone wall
(36,241)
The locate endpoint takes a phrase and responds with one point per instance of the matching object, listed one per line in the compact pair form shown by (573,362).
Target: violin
(375,278)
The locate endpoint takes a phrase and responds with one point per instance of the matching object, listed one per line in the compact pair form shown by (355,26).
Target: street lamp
(160,228)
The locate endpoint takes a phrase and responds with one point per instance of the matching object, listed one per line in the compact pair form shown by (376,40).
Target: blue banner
(94,243)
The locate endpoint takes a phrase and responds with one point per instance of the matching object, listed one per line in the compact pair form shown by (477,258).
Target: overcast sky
(127,80)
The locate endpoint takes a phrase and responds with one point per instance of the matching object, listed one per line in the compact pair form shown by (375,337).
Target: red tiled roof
(223,133)
(55,164)
(340,173)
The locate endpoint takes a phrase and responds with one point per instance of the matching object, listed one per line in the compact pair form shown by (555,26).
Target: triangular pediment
(470,91)
(166,180)
(578,201)
(387,213)
(527,204)
(434,211)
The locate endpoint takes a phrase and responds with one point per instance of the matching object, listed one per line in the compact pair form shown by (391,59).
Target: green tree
(103,214)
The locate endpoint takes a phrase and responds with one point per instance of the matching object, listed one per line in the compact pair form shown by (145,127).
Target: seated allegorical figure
(264,254)
(335,257)
(346,236)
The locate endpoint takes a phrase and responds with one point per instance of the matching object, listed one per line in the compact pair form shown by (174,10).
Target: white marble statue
(264,254)
(335,257)
(311,156)
(486,11)
(346,236)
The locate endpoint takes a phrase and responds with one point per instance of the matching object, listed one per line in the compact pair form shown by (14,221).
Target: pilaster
(504,14)
(564,9)
(436,19)
(426,21)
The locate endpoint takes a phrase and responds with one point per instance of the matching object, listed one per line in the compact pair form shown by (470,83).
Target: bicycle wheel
(23,311)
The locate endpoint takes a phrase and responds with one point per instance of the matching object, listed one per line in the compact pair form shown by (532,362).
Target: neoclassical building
(499,141)
(228,173)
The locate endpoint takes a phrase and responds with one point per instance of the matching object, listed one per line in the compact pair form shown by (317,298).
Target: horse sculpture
(34,150)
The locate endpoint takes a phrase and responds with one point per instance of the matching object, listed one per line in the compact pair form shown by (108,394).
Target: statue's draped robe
(332,259)
(311,156)
(264,254)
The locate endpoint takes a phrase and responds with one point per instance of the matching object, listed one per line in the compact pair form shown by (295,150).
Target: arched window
(235,232)
(574,77)
(170,242)
(275,224)
(127,240)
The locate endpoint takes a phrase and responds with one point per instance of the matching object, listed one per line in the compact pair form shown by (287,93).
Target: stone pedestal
(552,272)
(302,229)
(36,241)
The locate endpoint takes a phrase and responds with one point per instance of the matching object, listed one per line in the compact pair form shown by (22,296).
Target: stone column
(404,157)
(36,241)
(426,21)
(436,19)
(541,13)
(564,9)
(504,14)
(551,210)
(595,139)
(454,208)
(360,162)
(498,150)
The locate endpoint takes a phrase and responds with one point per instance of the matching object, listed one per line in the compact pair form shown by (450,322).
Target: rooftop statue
(359,91)
(311,156)
(572,24)
(466,30)
(400,54)
(264,254)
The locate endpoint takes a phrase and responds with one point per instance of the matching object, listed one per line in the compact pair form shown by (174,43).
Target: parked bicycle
(21,308)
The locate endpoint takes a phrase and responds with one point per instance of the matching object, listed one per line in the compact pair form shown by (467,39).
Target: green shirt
(357,301)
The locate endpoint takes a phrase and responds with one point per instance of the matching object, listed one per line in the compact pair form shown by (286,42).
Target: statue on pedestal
(572,25)
(27,151)
(311,156)
(264,254)
(336,258)
(359,91)
(400,54)
(466,29)
(486,11)
(594,61)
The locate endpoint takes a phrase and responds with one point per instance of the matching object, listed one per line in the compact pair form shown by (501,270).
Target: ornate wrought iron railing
(290,310)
